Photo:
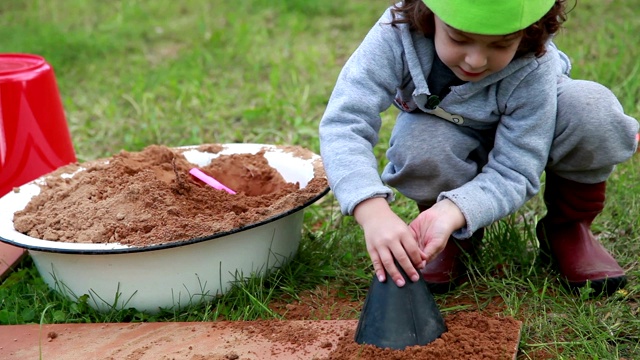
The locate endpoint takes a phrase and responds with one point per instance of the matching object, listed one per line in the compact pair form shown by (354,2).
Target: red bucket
(34,137)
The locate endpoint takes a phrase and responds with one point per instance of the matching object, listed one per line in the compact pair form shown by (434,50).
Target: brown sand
(471,335)
(149,197)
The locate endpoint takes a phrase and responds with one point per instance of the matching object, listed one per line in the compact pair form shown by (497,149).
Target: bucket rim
(18,63)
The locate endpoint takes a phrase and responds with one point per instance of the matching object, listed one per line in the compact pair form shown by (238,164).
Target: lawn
(136,73)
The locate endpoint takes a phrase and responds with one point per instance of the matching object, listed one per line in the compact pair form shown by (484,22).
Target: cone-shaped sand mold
(396,317)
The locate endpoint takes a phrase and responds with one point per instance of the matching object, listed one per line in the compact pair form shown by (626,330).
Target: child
(486,105)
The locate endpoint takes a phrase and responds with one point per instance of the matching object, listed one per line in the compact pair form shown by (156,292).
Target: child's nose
(476,59)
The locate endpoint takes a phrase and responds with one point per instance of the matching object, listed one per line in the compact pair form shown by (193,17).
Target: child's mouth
(471,74)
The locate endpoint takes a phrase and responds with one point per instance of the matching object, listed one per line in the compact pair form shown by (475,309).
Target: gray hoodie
(391,67)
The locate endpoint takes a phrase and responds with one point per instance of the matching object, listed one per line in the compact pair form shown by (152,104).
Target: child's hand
(433,227)
(388,237)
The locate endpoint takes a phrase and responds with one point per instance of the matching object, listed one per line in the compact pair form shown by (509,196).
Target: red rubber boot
(566,239)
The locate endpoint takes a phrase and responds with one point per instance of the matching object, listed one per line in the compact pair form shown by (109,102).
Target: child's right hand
(388,237)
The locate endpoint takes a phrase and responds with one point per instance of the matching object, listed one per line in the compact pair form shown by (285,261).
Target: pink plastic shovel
(210,180)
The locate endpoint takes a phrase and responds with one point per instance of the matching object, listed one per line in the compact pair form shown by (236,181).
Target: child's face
(471,56)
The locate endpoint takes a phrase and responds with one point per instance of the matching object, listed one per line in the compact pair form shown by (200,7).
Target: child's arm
(350,125)
(388,237)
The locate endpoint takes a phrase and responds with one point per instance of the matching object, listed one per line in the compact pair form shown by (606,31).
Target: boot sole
(441,288)
(600,287)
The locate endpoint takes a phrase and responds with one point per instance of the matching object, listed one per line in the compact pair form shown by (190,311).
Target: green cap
(489,17)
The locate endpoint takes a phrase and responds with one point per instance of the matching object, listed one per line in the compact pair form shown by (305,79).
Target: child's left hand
(433,227)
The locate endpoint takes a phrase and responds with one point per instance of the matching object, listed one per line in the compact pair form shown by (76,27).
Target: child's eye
(457,41)
(502,46)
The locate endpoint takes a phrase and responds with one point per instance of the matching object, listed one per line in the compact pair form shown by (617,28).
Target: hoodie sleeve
(349,127)
(520,153)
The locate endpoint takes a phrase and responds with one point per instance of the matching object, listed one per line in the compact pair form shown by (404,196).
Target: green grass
(135,73)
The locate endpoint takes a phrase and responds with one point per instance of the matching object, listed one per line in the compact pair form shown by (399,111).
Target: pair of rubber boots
(565,237)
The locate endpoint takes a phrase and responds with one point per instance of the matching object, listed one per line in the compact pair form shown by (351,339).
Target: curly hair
(420,18)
